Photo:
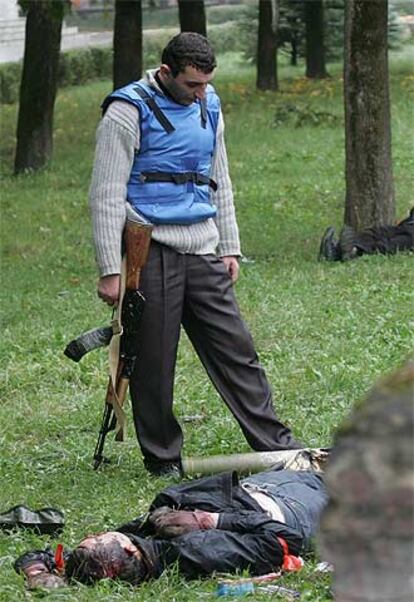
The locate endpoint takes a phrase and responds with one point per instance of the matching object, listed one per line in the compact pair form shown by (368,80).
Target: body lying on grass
(385,240)
(214,524)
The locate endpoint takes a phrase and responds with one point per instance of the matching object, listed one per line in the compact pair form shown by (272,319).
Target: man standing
(160,148)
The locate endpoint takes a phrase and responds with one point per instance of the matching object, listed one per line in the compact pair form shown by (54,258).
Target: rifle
(92,339)
(137,238)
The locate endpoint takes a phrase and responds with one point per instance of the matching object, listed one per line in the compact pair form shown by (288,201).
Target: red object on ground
(60,563)
(290,562)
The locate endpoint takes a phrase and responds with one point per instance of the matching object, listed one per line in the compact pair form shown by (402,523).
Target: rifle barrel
(108,424)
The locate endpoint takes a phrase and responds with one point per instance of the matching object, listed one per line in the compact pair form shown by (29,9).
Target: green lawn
(324,332)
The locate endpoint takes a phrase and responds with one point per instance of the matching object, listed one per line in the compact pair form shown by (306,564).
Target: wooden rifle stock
(137,239)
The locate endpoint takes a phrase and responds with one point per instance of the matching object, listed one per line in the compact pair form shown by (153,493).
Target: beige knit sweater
(118,138)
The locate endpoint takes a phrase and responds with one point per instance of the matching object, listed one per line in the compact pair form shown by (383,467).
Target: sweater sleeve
(223,198)
(116,141)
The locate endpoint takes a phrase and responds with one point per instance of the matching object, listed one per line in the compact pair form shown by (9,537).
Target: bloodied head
(109,555)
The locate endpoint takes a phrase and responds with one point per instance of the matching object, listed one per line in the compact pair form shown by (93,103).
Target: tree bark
(267,46)
(38,85)
(127,65)
(369,181)
(192,16)
(294,52)
(315,47)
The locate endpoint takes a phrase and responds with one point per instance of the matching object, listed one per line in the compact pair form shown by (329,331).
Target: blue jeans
(301,496)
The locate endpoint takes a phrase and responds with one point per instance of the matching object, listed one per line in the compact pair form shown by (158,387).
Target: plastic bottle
(235,589)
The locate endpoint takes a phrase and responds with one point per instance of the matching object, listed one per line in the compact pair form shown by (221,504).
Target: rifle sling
(114,348)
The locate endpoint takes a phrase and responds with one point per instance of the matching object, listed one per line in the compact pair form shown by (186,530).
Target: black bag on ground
(46,521)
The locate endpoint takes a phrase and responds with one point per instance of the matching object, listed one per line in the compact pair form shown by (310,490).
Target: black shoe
(295,444)
(408,221)
(159,468)
(348,243)
(329,248)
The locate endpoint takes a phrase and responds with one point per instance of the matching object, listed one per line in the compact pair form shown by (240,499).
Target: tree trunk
(293,51)
(315,48)
(369,182)
(127,42)
(38,85)
(192,16)
(267,46)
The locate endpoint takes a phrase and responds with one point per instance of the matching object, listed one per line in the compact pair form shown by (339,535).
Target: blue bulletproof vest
(170,177)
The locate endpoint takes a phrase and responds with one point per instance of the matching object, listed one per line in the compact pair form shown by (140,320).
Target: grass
(324,332)
(151,18)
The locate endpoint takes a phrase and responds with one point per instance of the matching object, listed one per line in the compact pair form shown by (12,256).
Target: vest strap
(177,178)
(203,107)
(166,124)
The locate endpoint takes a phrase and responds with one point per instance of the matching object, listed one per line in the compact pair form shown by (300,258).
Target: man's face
(114,543)
(186,87)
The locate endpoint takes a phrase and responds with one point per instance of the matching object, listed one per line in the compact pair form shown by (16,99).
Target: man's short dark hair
(88,565)
(189,48)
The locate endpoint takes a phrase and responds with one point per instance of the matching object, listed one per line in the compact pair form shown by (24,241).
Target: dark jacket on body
(245,538)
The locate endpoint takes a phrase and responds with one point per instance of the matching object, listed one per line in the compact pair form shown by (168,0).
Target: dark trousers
(196,291)
(386,239)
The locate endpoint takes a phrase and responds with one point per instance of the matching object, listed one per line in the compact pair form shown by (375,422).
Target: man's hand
(171,523)
(108,288)
(45,581)
(232,266)
(39,576)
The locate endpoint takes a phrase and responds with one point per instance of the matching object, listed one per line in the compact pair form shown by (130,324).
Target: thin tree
(127,65)
(267,46)
(291,28)
(369,181)
(192,16)
(39,83)
(315,46)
